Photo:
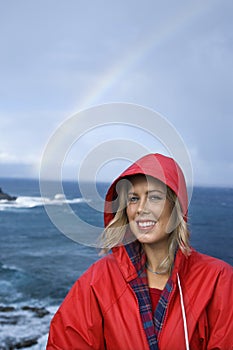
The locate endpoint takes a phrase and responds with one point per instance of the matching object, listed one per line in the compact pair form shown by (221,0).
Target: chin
(145,238)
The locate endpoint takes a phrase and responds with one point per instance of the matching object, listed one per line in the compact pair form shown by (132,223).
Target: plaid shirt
(152,323)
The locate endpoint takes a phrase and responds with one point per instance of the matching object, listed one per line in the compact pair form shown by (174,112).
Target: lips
(146,224)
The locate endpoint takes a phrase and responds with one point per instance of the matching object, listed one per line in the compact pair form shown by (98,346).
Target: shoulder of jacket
(201,276)
(209,263)
(102,267)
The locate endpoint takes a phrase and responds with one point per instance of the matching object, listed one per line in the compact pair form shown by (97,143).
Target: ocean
(39,264)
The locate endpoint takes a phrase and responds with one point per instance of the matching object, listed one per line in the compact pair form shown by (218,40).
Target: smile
(145,224)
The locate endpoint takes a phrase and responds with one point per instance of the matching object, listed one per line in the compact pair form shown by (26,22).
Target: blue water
(39,264)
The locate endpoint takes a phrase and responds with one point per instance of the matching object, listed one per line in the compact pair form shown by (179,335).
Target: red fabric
(159,166)
(101,310)
(154,297)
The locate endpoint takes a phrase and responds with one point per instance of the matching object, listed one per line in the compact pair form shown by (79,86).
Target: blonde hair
(116,231)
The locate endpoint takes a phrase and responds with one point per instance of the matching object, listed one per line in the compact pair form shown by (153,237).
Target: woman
(153,291)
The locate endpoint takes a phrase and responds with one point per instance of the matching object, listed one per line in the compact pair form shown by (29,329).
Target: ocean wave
(11,276)
(24,326)
(5,267)
(26,202)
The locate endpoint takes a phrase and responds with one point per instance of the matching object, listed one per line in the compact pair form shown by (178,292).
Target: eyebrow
(147,192)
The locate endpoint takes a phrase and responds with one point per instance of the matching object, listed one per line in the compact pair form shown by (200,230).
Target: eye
(133,199)
(155,198)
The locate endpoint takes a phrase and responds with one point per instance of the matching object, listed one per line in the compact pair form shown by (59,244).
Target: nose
(143,206)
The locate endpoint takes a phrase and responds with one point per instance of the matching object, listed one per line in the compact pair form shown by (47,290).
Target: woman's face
(148,210)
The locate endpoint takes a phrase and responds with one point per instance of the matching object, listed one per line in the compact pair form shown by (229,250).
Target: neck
(155,255)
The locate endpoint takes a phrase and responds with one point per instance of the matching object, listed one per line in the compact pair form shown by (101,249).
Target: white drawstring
(183,314)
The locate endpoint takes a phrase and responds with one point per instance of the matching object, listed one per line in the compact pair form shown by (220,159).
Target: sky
(61,57)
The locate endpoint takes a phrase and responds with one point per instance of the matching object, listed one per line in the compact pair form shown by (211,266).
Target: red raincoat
(101,310)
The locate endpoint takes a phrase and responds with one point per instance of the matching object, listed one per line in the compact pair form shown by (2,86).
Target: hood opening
(158,166)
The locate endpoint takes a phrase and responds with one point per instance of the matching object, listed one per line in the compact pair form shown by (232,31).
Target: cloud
(174,57)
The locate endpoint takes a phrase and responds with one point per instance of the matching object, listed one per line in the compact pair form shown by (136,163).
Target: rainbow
(142,49)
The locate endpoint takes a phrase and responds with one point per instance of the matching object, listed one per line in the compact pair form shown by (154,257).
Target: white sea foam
(41,344)
(18,325)
(24,202)
(42,341)
(10,267)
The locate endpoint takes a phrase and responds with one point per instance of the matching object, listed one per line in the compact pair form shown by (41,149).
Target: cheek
(130,212)
(158,210)
(162,211)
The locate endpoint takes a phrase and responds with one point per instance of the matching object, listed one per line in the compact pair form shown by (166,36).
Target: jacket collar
(131,260)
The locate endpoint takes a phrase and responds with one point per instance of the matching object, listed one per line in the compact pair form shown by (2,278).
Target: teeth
(146,223)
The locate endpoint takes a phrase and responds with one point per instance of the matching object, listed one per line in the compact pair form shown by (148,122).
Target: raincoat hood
(158,166)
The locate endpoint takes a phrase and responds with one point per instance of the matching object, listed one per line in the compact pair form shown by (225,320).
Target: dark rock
(7,308)
(24,343)
(6,320)
(39,311)
(6,196)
